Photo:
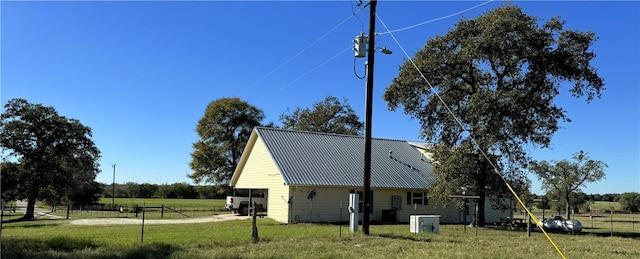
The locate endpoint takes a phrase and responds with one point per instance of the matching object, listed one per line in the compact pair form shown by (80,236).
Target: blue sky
(141,73)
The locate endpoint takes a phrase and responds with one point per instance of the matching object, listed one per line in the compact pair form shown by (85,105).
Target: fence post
(611,221)
(136,210)
(162,211)
(144,205)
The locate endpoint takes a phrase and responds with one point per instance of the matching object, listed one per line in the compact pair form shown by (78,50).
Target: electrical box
(425,223)
(360,46)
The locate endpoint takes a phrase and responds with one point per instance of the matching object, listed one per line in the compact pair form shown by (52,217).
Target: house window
(361,198)
(419,198)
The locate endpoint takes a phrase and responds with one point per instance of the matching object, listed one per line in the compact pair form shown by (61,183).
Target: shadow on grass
(410,238)
(632,235)
(154,250)
(67,247)
(30,223)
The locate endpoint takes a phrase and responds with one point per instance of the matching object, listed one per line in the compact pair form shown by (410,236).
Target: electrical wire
(473,140)
(355,72)
(310,71)
(355,13)
(300,52)
(435,19)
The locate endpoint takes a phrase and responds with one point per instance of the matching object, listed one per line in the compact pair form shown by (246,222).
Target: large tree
(329,116)
(630,201)
(50,156)
(565,177)
(224,131)
(488,85)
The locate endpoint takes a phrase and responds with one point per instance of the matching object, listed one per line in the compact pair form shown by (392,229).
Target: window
(361,198)
(419,198)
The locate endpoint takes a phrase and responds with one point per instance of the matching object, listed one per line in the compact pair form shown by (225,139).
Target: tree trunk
(481,184)
(567,205)
(31,205)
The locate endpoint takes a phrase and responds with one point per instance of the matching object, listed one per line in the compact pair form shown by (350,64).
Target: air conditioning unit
(425,223)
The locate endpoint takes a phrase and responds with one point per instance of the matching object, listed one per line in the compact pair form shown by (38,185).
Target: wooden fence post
(254,233)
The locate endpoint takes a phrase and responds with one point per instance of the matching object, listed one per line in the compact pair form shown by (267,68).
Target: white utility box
(425,223)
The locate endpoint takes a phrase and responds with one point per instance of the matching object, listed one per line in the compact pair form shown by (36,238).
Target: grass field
(232,239)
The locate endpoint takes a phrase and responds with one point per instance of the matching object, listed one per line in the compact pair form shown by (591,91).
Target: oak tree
(565,177)
(328,116)
(50,156)
(630,201)
(224,131)
(487,88)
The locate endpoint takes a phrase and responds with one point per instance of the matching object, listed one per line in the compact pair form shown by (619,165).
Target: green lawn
(232,239)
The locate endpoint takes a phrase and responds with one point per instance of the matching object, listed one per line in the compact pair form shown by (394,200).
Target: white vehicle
(240,205)
(559,224)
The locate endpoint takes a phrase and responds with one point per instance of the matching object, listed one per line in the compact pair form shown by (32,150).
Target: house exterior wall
(331,205)
(261,172)
(494,215)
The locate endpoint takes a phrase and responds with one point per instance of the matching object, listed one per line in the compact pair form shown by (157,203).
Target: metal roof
(321,159)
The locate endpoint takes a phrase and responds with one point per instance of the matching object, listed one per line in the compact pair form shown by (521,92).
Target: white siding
(494,215)
(260,172)
(325,206)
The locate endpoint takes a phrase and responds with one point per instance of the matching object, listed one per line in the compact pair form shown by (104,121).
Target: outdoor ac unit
(425,223)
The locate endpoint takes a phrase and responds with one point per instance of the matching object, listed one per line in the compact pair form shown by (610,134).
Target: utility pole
(113,188)
(367,124)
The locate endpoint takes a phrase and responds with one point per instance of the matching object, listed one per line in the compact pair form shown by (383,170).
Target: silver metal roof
(321,159)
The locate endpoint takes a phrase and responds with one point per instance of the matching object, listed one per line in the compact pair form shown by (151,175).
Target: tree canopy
(566,177)
(487,87)
(329,116)
(630,201)
(50,157)
(224,131)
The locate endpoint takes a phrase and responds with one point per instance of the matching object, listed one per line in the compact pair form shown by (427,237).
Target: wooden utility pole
(367,124)
(113,188)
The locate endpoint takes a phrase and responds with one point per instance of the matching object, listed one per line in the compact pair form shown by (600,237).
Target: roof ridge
(326,134)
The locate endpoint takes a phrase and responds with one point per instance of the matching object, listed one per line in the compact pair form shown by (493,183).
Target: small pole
(113,188)
(144,205)
(254,233)
(162,211)
(340,221)
(528,225)
(464,215)
(611,221)
(475,218)
(415,217)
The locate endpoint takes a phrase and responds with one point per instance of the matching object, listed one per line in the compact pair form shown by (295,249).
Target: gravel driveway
(42,213)
(121,221)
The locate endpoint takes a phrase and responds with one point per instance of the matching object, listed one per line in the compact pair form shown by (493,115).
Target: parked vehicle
(558,224)
(240,205)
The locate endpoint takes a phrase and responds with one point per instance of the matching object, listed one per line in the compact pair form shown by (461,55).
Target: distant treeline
(175,190)
(614,197)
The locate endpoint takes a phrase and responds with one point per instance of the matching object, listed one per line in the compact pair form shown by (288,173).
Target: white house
(307,177)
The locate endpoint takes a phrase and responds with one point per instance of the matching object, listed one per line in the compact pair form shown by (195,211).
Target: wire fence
(127,211)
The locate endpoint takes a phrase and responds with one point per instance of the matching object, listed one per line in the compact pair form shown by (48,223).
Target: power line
(300,52)
(435,19)
(310,71)
(473,140)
